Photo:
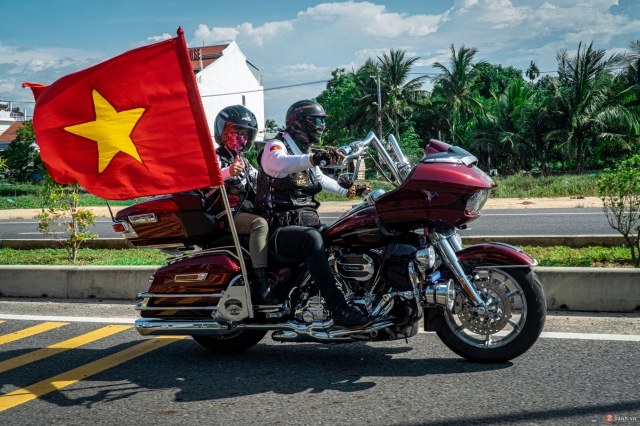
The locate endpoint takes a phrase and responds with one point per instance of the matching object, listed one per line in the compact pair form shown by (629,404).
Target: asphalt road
(578,221)
(559,381)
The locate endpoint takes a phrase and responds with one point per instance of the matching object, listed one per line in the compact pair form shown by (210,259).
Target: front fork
(448,243)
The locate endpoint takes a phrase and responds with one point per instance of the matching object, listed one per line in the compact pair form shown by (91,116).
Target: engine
(358,273)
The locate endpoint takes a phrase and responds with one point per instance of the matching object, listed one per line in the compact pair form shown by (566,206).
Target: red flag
(128,127)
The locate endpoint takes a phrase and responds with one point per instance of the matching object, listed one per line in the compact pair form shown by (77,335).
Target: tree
(532,72)
(270,125)
(65,213)
(401,93)
(22,155)
(454,90)
(591,115)
(338,102)
(620,193)
(493,79)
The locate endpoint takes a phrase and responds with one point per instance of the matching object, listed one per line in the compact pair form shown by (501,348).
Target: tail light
(120,227)
(477,200)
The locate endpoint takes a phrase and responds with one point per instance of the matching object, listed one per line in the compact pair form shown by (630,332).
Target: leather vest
(296,191)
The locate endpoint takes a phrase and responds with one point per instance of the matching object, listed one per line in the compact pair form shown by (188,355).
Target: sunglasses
(318,121)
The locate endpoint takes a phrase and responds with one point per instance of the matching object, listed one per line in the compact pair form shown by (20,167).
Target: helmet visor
(238,138)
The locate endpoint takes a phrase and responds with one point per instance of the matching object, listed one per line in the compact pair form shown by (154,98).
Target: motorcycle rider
(235,129)
(288,180)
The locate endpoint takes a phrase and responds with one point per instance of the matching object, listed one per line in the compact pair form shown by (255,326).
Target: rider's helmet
(235,128)
(305,122)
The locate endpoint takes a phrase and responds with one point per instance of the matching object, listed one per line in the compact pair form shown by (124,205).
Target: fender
(489,254)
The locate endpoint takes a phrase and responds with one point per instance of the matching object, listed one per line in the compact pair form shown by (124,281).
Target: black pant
(300,241)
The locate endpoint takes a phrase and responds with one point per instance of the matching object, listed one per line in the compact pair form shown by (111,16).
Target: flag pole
(236,240)
(113,219)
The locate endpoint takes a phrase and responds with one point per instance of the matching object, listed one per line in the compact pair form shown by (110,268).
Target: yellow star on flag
(111,130)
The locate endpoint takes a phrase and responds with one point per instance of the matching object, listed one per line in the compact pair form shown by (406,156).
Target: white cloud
(246,31)
(372,19)
(7,85)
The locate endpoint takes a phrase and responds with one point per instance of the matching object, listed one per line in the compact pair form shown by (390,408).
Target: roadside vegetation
(518,186)
(547,256)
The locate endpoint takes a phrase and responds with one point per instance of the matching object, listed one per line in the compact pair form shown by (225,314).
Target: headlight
(477,200)
(425,258)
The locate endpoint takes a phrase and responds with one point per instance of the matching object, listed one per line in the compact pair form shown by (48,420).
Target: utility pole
(377,77)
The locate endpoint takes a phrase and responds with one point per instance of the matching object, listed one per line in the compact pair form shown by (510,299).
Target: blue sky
(295,41)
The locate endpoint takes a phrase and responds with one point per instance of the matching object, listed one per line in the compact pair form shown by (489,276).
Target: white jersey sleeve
(277,163)
(329,184)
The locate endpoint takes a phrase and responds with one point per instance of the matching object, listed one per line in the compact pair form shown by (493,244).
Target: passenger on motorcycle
(288,180)
(235,129)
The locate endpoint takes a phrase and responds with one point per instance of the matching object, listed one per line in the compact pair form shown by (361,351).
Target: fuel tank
(356,227)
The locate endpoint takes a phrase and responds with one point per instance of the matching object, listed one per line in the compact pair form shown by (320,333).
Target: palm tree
(270,124)
(592,113)
(398,94)
(455,87)
(532,72)
(401,93)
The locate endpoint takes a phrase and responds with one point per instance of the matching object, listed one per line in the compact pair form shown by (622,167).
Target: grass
(25,196)
(547,256)
(527,186)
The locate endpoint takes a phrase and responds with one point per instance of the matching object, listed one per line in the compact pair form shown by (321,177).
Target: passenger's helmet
(305,123)
(235,128)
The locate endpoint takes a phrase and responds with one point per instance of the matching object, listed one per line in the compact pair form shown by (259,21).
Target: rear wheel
(515,313)
(233,343)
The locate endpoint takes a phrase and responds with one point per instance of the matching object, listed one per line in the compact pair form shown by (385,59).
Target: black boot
(262,293)
(349,317)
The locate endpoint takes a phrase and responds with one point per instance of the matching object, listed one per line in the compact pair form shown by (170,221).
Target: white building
(225,78)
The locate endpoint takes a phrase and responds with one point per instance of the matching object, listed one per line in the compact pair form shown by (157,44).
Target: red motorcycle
(397,255)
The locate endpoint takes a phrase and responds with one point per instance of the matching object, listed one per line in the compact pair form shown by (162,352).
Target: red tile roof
(209,55)
(11,133)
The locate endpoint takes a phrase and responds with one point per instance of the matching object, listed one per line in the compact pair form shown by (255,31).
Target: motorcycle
(397,255)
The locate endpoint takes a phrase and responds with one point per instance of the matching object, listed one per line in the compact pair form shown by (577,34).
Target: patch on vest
(300,178)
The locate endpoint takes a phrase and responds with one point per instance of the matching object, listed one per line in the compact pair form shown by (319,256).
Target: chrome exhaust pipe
(160,327)
(441,293)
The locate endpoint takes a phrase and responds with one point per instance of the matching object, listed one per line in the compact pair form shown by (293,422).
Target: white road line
(40,233)
(540,214)
(67,319)
(582,336)
(545,334)
(28,223)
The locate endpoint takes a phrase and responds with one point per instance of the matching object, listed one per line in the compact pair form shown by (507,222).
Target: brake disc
(496,315)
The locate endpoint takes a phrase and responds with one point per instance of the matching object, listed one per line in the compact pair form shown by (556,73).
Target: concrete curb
(573,289)
(573,241)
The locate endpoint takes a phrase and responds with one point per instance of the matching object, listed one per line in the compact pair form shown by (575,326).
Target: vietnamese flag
(128,127)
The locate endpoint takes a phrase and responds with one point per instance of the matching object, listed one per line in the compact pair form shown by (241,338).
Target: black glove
(362,189)
(327,154)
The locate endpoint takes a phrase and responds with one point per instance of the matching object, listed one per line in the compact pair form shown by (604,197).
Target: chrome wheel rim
(501,322)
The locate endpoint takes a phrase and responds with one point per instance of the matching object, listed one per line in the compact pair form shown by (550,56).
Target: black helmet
(235,128)
(305,122)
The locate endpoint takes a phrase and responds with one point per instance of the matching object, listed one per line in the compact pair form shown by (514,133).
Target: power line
(269,88)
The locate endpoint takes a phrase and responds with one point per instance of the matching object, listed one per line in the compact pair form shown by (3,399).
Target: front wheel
(515,313)
(233,343)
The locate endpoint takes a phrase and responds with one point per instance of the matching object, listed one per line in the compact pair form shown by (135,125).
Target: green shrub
(620,192)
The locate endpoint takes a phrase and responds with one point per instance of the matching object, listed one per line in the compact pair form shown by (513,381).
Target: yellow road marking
(39,354)
(21,334)
(70,377)
(1,321)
